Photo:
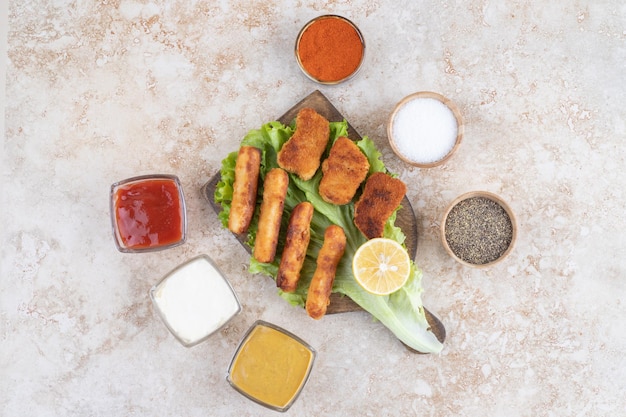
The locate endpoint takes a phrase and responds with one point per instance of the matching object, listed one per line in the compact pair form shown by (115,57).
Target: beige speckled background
(97,91)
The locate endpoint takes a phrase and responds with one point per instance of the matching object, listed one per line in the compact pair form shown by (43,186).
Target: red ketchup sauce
(148,214)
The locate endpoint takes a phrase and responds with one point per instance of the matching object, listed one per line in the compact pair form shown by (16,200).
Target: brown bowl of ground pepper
(330,49)
(478,229)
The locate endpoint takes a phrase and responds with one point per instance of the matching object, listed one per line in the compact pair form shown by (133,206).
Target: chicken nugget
(381,196)
(296,244)
(302,153)
(274,192)
(344,170)
(318,297)
(245,187)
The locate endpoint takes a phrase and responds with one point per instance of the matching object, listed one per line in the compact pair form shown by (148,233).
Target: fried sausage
(381,196)
(245,186)
(274,192)
(296,243)
(344,170)
(302,153)
(330,254)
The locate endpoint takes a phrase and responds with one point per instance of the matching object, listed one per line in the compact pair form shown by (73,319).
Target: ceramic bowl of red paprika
(148,213)
(330,49)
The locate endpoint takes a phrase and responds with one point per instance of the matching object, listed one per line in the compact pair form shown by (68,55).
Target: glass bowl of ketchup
(148,213)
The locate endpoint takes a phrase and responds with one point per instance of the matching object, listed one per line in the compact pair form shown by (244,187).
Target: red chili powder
(330,49)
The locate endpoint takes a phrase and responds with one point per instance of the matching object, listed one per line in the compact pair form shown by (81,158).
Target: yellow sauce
(271,366)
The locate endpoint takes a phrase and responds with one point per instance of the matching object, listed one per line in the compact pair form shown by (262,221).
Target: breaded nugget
(302,153)
(274,192)
(330,254)
(344,170)
(245,187)
(296,244)
(381,196)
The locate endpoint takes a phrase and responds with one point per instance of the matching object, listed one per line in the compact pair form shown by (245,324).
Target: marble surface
(100,91)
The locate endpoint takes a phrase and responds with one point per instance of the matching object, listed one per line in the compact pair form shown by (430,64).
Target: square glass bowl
(148,213)
(271,366)
(195,300)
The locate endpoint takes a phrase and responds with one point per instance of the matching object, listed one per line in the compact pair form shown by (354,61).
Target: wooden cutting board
(405,219)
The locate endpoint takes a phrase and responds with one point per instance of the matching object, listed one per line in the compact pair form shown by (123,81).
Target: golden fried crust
(344,170)
(242,207)
(296,243)
(381,196)
(318,297)
(302,153)
(274,192)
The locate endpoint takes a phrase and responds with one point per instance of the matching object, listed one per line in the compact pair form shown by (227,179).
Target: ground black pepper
(478,230)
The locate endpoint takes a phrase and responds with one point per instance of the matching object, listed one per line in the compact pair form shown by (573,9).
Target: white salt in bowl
(425,129)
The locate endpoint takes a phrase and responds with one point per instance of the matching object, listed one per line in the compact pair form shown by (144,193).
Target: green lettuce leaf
(401,312)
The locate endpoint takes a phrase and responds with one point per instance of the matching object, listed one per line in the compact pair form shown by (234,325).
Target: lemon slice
(381,266)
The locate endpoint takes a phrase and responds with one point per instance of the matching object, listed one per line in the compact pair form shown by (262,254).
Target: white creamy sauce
(195,300)
(424,130)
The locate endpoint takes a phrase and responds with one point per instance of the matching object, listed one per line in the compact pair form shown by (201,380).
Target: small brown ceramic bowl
(478,229)
(425,129)
(329,60)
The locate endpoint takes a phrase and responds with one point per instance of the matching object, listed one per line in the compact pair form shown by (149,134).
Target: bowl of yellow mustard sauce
(271,366)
